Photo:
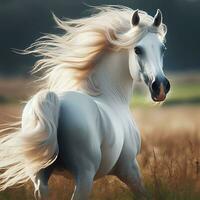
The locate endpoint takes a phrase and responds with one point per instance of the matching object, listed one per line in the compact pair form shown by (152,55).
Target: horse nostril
(157,83)
(167,86)
(155,86)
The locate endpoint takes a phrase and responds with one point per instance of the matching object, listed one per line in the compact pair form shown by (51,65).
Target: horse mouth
(158,98)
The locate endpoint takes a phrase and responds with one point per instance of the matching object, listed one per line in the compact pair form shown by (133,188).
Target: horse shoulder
(78,112)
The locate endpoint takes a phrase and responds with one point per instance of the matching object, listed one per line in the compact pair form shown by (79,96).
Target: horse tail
(33,146)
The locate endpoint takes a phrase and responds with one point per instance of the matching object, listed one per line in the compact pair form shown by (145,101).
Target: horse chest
(114,130)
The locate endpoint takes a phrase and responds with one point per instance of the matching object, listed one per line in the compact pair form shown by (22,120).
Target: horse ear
(158,18)
(135,18)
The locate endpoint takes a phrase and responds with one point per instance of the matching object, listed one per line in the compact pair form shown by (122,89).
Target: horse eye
(138,50)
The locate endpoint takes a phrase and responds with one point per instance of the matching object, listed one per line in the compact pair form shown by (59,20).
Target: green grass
(187,93)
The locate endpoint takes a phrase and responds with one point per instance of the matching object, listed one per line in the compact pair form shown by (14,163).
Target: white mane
(67,59)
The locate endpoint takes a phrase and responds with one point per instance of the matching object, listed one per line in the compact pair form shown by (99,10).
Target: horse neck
(112,77)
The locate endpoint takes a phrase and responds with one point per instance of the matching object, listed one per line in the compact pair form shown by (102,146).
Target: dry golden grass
(16,88)
(170,156)
(169,159)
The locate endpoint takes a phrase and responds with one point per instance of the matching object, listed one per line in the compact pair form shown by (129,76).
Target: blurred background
(22,22)
(170,154)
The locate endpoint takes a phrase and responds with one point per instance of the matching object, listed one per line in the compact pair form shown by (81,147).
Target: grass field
(170,154)
(181,93)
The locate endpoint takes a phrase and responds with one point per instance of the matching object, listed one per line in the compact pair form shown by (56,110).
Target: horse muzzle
(159,88)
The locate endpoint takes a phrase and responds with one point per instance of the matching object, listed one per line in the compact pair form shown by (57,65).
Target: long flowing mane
(67,59)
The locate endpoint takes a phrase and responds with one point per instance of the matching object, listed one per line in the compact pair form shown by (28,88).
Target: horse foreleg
(41,183)
(129,173)
(84,182)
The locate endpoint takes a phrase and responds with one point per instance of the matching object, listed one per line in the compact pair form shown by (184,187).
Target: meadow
(170,153)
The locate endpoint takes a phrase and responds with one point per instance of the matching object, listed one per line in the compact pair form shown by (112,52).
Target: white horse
(80,120)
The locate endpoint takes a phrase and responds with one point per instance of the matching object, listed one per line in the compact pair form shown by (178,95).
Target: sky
(23,21)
